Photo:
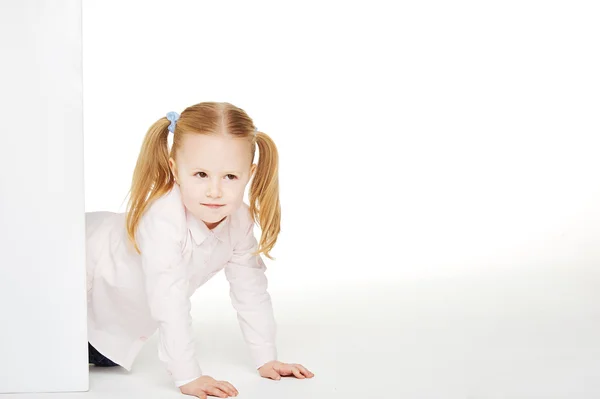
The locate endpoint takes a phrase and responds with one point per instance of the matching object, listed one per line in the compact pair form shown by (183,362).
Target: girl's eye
(232,177)
(201,174)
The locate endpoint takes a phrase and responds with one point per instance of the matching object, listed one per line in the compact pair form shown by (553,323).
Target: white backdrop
(43,333)
(416,140)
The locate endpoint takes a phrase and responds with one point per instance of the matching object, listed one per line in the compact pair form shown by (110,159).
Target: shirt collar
(200,231)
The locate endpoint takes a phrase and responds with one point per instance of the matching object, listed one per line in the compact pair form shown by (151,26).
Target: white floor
(518,335)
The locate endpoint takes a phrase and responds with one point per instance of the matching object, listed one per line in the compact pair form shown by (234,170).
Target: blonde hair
(153,178)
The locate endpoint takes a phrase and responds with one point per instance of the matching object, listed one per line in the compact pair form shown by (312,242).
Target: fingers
(206,386)
(297,373)
(215,391)
(228,388)
(272,374)
(297,370)
(304,371)
(286,369)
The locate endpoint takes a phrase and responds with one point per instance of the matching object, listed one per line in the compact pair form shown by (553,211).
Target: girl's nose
(214,190)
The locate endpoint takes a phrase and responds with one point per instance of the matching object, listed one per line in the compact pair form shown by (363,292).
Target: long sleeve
(166,285)
(249,297)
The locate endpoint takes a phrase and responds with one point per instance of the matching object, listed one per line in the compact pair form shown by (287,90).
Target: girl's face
(213,170)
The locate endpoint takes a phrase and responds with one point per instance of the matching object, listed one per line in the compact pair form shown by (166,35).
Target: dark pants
(98,359)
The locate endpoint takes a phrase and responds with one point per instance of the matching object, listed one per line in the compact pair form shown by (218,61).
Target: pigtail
(264,194)
(152,176)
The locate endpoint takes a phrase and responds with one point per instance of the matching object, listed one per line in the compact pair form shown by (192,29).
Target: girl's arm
(249,297)
(166,285)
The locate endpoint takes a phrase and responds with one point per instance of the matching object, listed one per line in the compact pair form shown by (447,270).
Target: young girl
(185,222)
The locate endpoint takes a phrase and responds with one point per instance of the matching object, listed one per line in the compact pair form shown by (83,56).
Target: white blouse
(130,295)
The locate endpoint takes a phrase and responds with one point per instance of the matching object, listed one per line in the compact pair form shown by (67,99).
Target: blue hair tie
(173,117)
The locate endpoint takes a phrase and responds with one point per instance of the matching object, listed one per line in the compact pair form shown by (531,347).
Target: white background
(43,330)
(416,139)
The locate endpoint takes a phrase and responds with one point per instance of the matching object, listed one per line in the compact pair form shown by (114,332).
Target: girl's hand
(205,385)
(275,369)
